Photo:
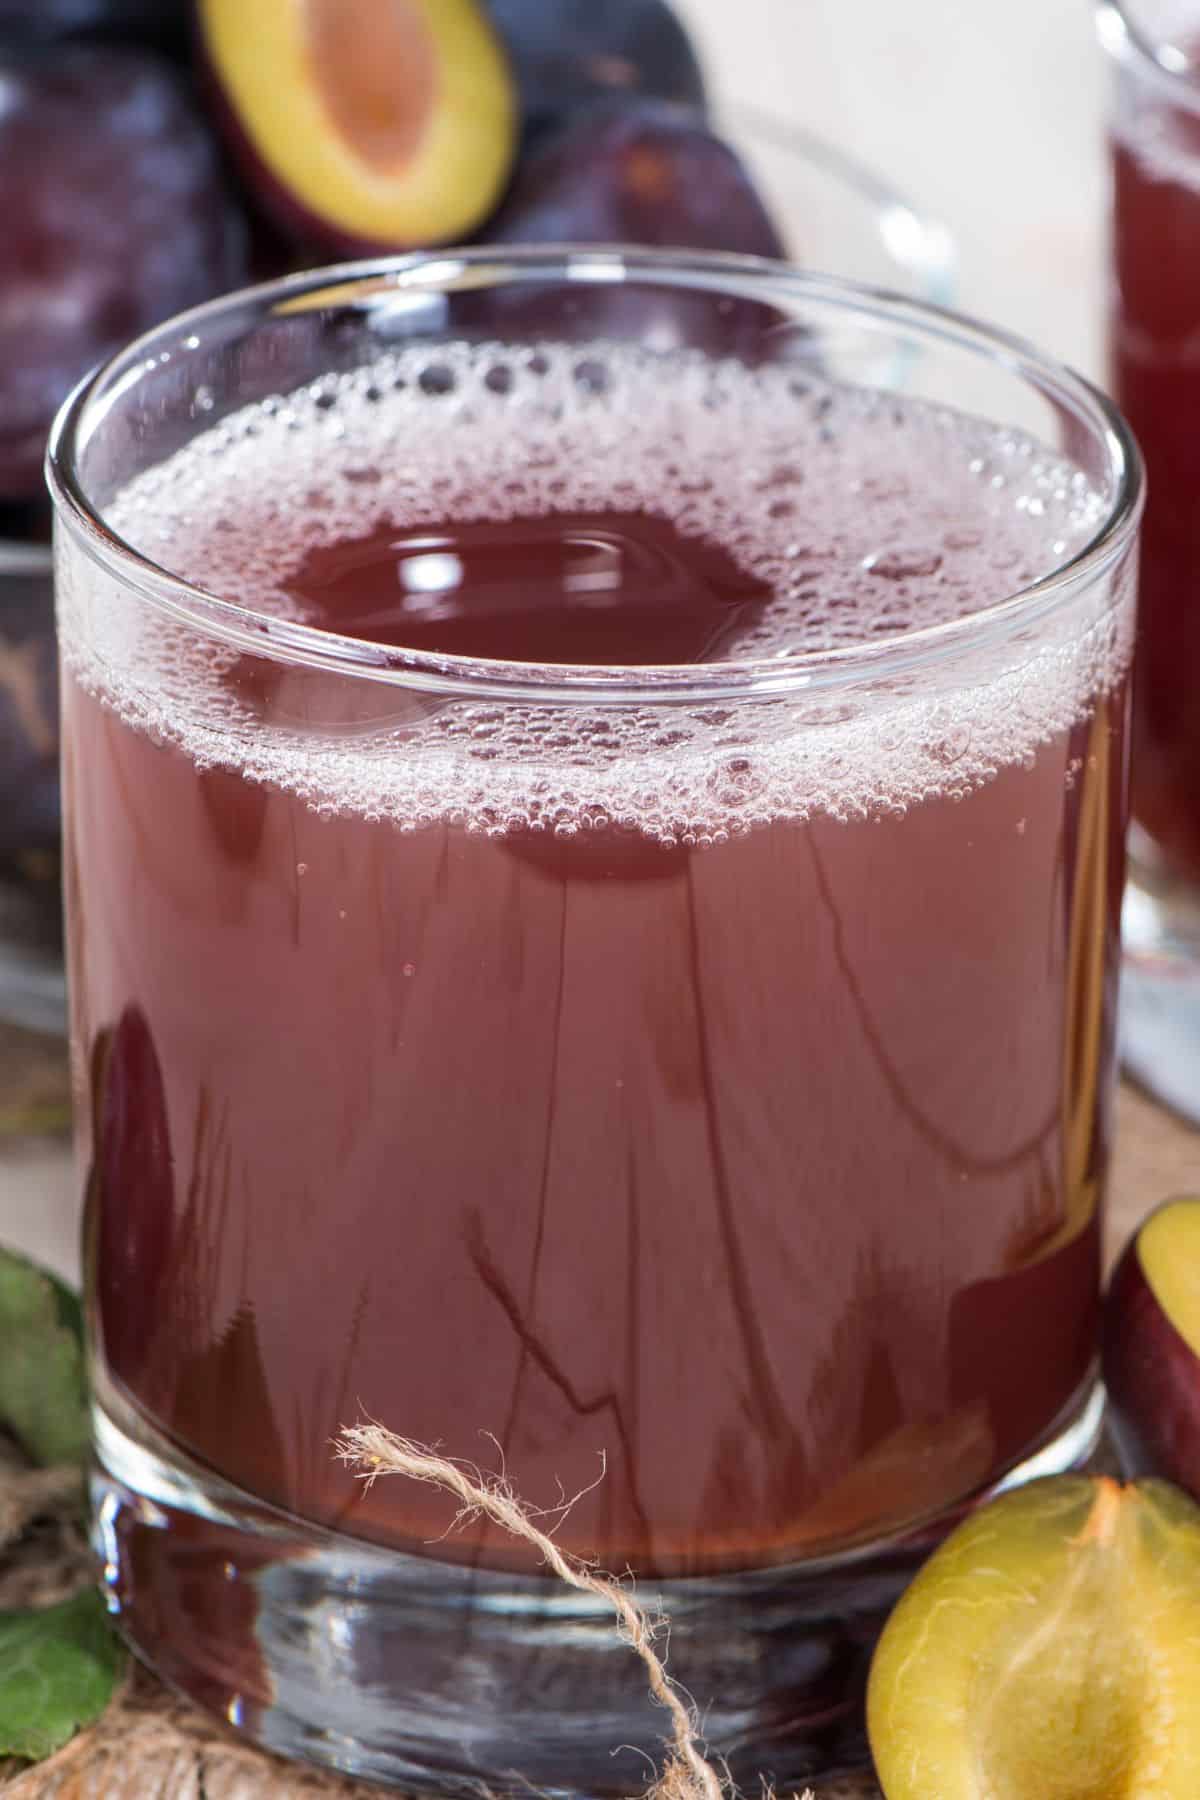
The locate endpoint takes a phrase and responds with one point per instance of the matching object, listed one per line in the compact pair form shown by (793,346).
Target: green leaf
(43,1388)
(58,1669)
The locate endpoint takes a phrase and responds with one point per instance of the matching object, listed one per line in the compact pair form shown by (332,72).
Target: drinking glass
(682,1085)
(834,214)
(1155,376)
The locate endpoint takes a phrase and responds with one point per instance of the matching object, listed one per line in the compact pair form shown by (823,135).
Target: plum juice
(702,1093)
(1155,329)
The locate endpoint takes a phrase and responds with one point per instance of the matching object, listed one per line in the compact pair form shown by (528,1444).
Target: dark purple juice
(1156,381)
(711,1094)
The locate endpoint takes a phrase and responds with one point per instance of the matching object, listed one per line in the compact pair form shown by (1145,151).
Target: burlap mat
(151,1746)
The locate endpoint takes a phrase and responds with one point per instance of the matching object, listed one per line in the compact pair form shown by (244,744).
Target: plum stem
(1100,1527)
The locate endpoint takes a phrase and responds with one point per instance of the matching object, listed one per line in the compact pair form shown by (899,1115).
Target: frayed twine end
(372,1451)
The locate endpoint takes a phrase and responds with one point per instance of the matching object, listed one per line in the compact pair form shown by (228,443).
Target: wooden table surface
(991,118)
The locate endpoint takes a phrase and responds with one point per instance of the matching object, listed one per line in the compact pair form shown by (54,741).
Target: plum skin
(567,54)
(1152,1375)
(163,25)
(131,1189)
(643,172)
(649,173)
(116,216)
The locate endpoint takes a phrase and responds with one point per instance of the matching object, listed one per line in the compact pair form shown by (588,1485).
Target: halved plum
(1051,1647)
(364,124)
(115,215)
(1151,1345)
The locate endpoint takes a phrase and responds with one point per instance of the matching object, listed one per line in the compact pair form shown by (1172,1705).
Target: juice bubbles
(597,950)
(699,1092)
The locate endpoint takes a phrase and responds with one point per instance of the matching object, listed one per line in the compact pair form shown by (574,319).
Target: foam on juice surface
(868,516)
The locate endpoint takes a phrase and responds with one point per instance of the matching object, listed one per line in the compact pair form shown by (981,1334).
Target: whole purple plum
(636,172)
(115,216)
(151,24)
(569,53)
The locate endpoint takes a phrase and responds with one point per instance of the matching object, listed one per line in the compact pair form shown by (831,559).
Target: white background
(985,113)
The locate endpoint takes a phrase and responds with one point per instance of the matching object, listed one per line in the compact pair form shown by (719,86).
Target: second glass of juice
(1154,344)
(595,800)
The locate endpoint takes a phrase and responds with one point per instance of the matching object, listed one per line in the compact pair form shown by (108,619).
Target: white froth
(867,516)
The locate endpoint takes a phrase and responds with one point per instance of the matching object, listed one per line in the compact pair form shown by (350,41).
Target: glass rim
(467,677)
(1161,61)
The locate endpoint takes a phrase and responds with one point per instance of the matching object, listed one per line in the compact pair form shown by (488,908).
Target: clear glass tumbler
(832,214)
(1155,375)
(595,793)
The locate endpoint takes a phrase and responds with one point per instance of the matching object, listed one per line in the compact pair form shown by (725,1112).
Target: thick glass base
(452,1679)
(1160,982)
